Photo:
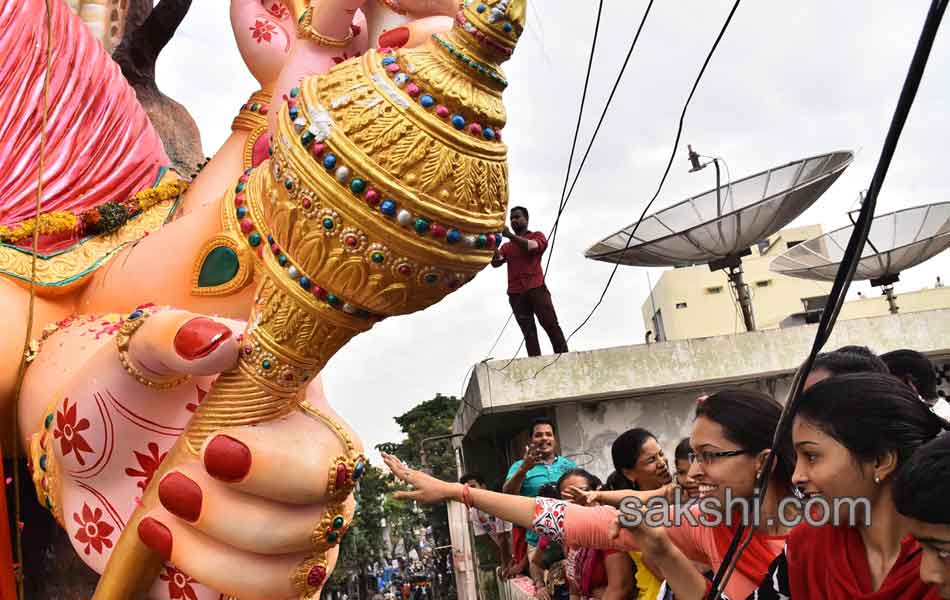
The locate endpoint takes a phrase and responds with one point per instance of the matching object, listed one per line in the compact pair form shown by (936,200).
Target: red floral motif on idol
(93,531)
(179,584)
(278,10)
(263,31)
(149,463)
(338,59)
(193,406)
(107,328)
(68,432)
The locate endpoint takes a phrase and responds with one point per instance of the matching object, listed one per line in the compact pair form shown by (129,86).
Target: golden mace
(385,190)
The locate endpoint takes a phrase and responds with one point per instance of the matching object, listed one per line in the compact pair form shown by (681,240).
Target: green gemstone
(357,185)
(49,504)
(307,138)
(265,364)
(254,239)
(431,278)
(332,537)
(377,257)
(338,522)
(48,421)
(220,266)
(289,184)
(328,223)
(294,92)
(332,300)
(239,188)
(255,107)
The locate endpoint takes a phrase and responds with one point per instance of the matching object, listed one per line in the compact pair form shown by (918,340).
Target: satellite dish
(718,226)
(897,241)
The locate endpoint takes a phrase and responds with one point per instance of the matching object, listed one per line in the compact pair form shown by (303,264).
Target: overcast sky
(789,80)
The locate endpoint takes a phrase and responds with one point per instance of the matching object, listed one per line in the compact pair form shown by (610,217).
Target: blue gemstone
(241,211)
(426,101)
(293,114)
(489,133)
(248,171)
(270,239)
(480,8)
(43,462)
(458,121)
(498,239)
(282,260)
(387,207)
(389,60)
(135,315)
(304,283)
(453,236)
(507,27)
(329,161)
(358,471)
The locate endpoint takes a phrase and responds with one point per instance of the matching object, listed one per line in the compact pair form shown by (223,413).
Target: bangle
(306,31)
(467,495)
(122,341)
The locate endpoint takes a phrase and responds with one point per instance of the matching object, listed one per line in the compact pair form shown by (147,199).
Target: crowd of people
(855,503)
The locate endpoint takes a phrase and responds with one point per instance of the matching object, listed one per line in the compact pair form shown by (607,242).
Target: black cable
(669,165)
(847,268)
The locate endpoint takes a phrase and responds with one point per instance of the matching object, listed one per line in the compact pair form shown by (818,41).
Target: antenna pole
(888,293)
(742,293)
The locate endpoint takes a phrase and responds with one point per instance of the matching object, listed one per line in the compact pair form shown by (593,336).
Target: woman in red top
(852,434)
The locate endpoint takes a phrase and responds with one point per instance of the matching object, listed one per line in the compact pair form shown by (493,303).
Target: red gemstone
(292,103)
(247,226)
(318,291)
(288,376)
(239,200)
(317,149)
(275,248)
(316,576)
(306,202)
(248,349)
(453,283)
(243,179)
(372,197)
(351,241)
(341,475)
(475,129)
(405,270)
(413,90)
(498,135)
(263,110)
(437,230)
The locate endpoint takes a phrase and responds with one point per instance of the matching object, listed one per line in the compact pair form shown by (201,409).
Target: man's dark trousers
(533,302)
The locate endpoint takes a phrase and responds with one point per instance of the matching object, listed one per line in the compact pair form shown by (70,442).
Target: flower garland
(102,219)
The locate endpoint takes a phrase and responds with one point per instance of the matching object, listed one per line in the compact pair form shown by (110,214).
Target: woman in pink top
(731,437)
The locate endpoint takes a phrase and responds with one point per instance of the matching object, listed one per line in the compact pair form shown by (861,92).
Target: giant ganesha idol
(374,190)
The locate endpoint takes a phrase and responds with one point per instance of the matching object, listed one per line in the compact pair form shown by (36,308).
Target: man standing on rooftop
(527,292)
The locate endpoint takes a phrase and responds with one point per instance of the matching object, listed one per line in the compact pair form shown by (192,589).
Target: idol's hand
(241,517)
(426,488)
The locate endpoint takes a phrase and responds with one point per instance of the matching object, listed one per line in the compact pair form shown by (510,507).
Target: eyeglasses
(708,457)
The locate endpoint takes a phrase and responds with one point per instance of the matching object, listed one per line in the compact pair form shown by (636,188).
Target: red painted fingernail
(156,536)
(199,337)
(181,496)
(227,459)
(394,38)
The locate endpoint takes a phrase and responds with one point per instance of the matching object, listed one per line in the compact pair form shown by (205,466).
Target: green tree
(363,543)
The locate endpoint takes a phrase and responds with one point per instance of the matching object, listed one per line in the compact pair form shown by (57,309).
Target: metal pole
(742,294)
(891,298)
(718,189)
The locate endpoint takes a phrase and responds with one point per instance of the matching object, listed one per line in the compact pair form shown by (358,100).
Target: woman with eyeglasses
(731,436)
(853,435)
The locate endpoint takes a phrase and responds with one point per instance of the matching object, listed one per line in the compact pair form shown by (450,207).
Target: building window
(716,289)
(763,283)
(680,305)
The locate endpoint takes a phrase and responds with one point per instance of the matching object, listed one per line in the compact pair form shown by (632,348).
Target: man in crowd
(527,292)
(541,464)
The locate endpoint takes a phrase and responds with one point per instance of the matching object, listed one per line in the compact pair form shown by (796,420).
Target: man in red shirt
(527,293)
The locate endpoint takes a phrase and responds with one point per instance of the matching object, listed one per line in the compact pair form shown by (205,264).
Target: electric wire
(666,172)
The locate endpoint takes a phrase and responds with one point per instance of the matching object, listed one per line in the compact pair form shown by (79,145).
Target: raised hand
(581,497)
(254,515)
(426,488)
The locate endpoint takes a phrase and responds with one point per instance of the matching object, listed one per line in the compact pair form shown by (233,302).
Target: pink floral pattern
(148,464)
(93,532)
(179,584)
(68,432)
(108,326)
(263,31)
(278,10)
